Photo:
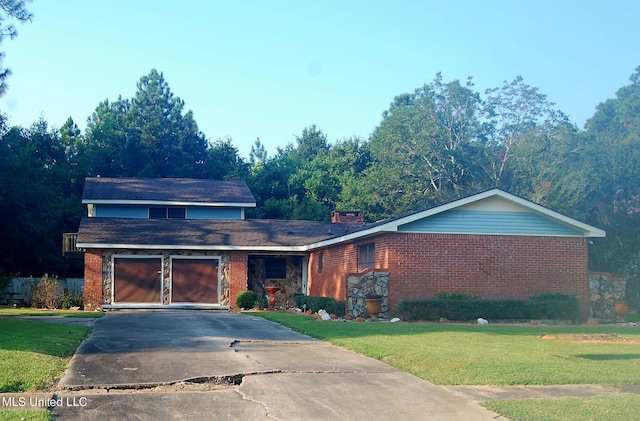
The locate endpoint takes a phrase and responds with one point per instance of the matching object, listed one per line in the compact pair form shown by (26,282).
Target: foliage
(69,301)
(35,353)
(25,415)
(261,303)
(10,10)
(330,305)
(46,294)
(246,299)
(5,280)
(457,307)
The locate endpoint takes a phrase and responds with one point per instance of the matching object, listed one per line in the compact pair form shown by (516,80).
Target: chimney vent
(344,217)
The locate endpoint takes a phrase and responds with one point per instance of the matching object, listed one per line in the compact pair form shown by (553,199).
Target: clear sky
(269,68)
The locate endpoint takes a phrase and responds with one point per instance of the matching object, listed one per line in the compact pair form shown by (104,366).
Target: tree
(10,10)
(516,113)
(147,136)
(425,149)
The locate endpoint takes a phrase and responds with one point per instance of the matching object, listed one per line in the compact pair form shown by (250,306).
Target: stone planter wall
(605,289)
(360,285)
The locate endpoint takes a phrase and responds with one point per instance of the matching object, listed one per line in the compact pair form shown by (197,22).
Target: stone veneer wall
(605,289)
(289,286)
(361,285)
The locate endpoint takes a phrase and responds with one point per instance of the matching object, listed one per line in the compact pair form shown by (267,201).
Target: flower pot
(271,291)
(621,308)
(374,306)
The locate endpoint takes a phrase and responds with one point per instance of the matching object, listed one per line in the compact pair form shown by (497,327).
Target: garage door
(137,280)
(194,281)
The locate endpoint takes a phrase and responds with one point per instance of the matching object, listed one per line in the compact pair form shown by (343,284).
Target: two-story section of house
(147,241)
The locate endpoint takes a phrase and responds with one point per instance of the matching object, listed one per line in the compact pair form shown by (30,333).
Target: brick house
(161,243)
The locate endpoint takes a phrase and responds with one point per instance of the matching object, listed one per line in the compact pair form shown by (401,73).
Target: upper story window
(163,212)
(366,256)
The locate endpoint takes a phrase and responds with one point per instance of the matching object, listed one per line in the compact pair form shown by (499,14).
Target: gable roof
(403,223)
(167,191)
(200,234)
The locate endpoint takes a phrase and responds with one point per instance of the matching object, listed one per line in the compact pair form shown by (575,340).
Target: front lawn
(463,354)
(44,313)
(33,354)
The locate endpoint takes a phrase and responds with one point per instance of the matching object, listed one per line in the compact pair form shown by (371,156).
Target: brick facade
(488,266)
(238,270)
(93,279)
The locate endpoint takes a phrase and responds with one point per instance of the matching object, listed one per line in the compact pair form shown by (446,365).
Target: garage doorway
(137,279)
(194,280)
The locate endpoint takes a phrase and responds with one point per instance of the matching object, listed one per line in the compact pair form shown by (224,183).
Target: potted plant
(374,305)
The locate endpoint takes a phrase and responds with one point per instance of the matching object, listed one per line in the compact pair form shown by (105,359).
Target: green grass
(603,408)
(456,354)
(25,415)
(33,354)
(44,313)
(501,355)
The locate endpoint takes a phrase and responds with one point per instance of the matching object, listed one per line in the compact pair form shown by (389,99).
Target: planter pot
(271,291)
(374,306)
(621,308)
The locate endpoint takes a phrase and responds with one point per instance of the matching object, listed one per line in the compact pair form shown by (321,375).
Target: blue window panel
(214,213)
(490,222)
(122,211)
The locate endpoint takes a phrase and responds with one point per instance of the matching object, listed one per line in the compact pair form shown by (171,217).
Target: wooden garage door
(194,281)
(137,280)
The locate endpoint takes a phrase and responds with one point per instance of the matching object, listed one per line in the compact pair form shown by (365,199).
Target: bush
(261,303)
(69,301)
(330,305)
(543,306)
(45,293)
(246,299)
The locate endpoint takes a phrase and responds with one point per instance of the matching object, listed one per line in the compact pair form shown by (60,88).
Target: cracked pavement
(157,365)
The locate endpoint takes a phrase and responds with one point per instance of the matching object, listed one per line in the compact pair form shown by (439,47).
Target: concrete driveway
(163,365)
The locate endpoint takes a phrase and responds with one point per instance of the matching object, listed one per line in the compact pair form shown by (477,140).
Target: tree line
(442,141)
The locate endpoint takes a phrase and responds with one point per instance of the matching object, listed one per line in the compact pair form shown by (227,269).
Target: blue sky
(268,69)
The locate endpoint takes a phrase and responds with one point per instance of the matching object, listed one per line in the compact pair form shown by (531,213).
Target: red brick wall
(93,279)
(331,280)
(489,266)
(238,270)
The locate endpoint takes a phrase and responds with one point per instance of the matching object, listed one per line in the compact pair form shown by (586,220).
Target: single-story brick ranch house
(175,242)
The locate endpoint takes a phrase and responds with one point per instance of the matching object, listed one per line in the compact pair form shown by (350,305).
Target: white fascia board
(167,203)
(189,247)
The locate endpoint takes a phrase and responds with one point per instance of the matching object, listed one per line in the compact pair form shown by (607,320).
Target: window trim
(366,256)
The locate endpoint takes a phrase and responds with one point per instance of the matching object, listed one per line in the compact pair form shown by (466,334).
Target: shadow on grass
(609,357)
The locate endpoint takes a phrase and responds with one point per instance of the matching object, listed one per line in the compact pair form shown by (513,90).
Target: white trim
(173,257)
(135,256)
(166,203)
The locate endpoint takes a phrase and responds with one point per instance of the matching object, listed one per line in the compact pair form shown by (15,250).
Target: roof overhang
(167,203)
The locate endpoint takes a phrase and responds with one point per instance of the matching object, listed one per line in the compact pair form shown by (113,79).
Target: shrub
(261,303)
(330,305)
(69,301)
(45,293)
(544,306)
(246,299)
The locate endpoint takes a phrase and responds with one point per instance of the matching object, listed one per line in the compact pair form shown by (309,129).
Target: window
(167,212)
(320,261)
(366,256)
(275,268)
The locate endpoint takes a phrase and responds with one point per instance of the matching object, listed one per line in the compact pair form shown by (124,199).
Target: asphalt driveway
(148,365)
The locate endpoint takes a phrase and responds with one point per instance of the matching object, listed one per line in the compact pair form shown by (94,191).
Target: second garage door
(194,281)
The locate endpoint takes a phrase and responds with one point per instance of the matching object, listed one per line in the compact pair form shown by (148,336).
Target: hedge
(330,305)
(544,306)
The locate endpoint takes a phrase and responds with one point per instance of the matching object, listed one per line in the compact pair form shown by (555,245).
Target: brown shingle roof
(182,190)
(255,234)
